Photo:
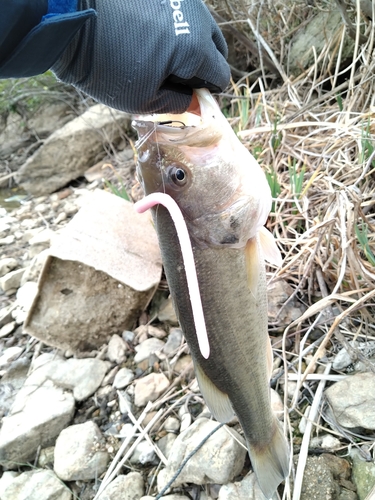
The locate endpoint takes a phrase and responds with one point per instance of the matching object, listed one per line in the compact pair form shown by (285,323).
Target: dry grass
(319,147)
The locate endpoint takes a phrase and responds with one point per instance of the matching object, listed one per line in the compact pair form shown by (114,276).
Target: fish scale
(229,310)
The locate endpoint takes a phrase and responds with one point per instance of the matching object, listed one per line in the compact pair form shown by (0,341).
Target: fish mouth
(186,128)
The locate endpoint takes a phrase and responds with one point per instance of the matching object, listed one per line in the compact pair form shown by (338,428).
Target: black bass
(225,199)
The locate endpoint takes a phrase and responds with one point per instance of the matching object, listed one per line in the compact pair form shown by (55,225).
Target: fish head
(198,160)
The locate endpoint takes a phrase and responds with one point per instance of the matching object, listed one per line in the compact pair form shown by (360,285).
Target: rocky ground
(118,418)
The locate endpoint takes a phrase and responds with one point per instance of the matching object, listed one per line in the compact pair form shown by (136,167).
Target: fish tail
(271,462)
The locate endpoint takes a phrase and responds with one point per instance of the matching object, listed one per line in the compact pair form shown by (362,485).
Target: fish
(196,163)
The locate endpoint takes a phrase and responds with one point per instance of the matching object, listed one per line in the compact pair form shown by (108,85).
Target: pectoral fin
(252,264)
(216,400)
(271,252)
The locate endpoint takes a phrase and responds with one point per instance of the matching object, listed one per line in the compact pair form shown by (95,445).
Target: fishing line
(191,454)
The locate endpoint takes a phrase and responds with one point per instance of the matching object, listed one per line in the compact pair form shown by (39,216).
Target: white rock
(166,443)
(26,294)
(352,401)
(6,479)
(129,487)
(219,460)
(167,313)
(172,424)
(144,453)
(8,240)
(11,280)
(82,376)
(343,359)
(7,329)
(146,348)
(38,415)
(277,404)
(10,354)
(174,341)
(247,489)
(37,485)
(150,387)
(80,453)
(123,378)
(116,349)
(127,430)
(124,402)
(7,265)
(330,442)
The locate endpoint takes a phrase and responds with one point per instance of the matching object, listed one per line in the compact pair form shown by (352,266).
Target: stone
(323,477)
(7,329)
(7,265)
(116,349)
(106,260)
(329,22)
(175,339)
(247,489)
(49,118)
(37,485)
(343,358)
(352,401)
(219,460)
(11,383)
(166,443)
(69,151)
(9,355)
(6,479)
(146,348)
(82,376)
(123,378)
(124,487)
(172,424)
(277,404)
(143,454)
(26,427)
(46,457)
(149,388)
(167,314)
(278,292)
(8,240)
(11,280)
(363,475)
(80,453)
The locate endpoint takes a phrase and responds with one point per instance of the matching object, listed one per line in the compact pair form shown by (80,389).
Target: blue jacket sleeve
(34,34)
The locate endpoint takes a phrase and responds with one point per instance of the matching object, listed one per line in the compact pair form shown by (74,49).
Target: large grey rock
(352,401)
(219,460)
(80,453)
(69,151)
(37,485)
(101,273)
(38,415)
(323,28)
(129,487)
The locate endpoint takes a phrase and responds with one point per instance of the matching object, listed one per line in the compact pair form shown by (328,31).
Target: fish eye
(178,176)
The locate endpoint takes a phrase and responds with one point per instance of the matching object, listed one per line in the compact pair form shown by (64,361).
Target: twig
(306,437)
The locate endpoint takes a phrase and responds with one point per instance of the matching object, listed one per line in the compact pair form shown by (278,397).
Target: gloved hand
(145,56)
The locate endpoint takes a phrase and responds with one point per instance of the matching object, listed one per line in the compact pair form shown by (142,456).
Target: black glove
(144,56)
